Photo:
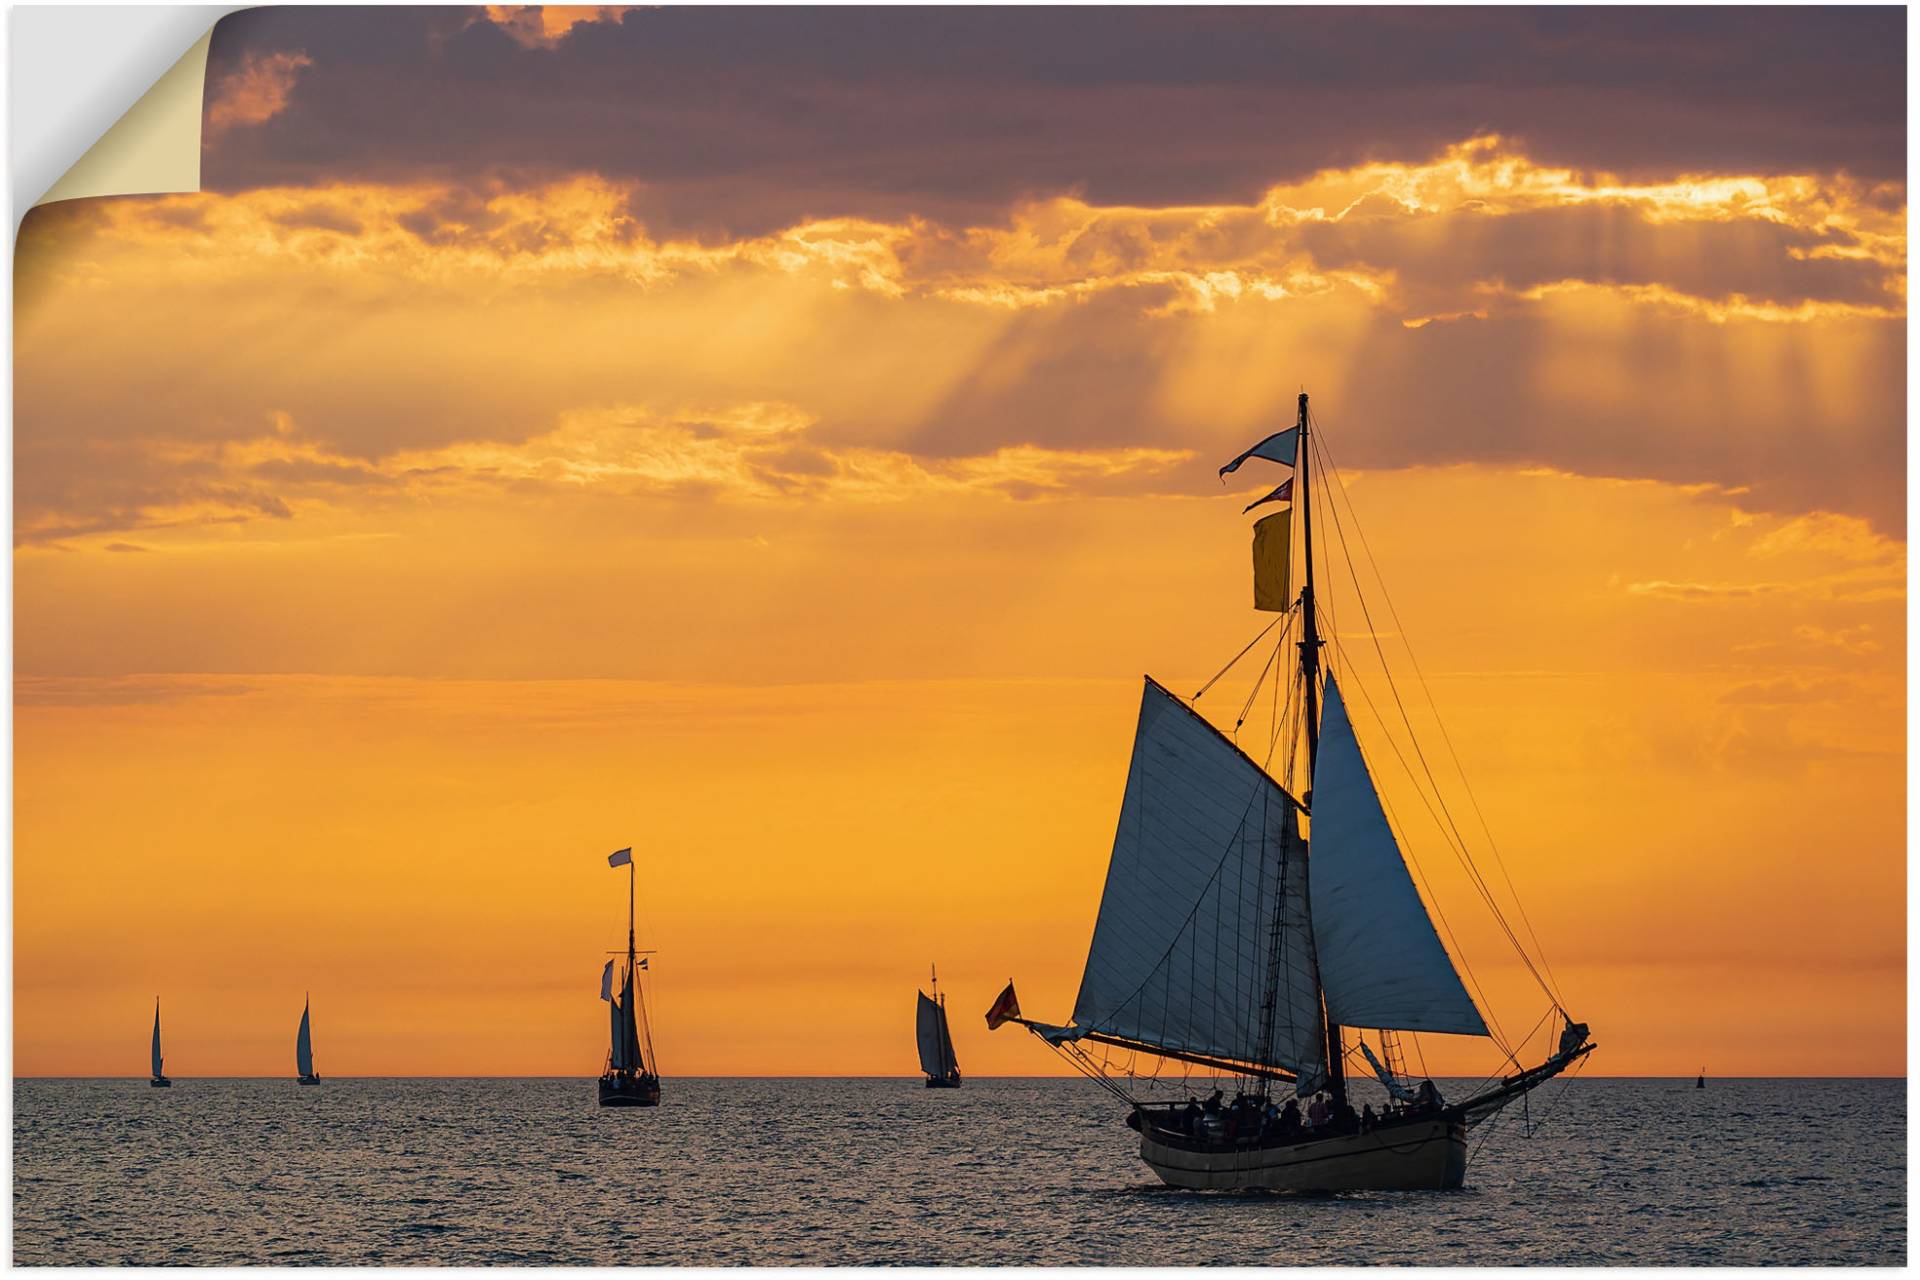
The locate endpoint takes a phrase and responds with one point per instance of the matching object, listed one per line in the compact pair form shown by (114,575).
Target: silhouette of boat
(303,1046)
(1231,939)
(630,1078)
(936,1039)
(159,1080)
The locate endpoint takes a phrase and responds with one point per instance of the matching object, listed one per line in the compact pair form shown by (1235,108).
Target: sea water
(820,1171)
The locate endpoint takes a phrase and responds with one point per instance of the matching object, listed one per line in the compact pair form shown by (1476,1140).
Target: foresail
(927,1032)
(949,1058)
(156,1042)
(1208,872)
(1381,963)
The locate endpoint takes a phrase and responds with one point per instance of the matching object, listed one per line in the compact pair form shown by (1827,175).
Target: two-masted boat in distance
(159,1080)
(936,1039)
(1251,926)
(630,1078)
(303,1046)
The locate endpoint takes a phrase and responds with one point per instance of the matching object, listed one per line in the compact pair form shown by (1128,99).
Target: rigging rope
(1458,841)
(1231,662)
(1326,458)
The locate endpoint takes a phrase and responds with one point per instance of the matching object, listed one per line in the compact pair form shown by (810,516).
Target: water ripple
(810,1172)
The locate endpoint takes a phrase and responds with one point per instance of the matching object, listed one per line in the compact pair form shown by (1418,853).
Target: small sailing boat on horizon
(1251,921)
(936,1039)
(630,1078)
(303,1046)
(159,1080)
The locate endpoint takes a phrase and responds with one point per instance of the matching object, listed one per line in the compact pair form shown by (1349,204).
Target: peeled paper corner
(154,148)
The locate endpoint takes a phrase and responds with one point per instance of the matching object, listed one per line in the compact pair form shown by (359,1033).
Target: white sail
(303,1044)
(1207,872)
(1381,963)
(156,1040)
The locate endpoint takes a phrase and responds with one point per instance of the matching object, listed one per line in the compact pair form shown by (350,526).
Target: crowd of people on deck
(1253,1117)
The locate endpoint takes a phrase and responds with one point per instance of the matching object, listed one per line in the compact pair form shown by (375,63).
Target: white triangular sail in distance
(1381,963)
(1208,872)
(303,1043)
(156,1040)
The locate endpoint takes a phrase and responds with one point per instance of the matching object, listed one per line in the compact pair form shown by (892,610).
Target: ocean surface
(467,1172)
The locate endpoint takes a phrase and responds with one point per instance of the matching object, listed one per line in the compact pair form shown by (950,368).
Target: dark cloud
(744,119)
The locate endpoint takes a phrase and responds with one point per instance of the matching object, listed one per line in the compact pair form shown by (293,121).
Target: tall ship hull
(629,1091)
(1261,927)
(1417,1155)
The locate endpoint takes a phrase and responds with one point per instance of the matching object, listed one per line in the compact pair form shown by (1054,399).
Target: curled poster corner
(154,146)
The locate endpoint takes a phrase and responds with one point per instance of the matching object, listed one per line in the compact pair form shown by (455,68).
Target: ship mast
(1309,685)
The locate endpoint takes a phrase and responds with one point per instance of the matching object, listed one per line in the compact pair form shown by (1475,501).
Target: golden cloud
(1481,225)
(754,453)
(541,26)
(254,92)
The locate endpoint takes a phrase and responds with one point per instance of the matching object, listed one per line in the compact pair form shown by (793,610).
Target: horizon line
(914,1076)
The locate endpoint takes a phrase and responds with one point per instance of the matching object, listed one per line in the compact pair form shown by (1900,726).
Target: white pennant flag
(606,982)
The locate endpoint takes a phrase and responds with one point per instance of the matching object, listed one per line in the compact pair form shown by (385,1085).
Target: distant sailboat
(1701,1083)
(303,1046)
(630,1079)
(159,1080)
(1250,924)
(936,1040)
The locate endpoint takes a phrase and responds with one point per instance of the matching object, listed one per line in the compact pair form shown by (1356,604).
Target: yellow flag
(1272,577)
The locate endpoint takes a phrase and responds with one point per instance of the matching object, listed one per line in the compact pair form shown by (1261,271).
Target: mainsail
(1203,944)
(1381,962)
(936,1044)
(156,1040)
(303,1043)
(617,1056)
(626,1055)
(630,1014)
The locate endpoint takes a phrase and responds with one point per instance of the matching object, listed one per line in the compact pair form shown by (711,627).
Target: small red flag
(1283,494)
(1005,1009)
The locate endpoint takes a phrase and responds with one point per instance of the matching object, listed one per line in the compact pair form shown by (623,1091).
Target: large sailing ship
(629,1078)
(1259,919)
(935,1039)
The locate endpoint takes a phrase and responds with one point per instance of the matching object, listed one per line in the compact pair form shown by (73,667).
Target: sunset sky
(779,440)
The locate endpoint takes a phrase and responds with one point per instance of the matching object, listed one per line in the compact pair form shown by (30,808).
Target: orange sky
(372,586)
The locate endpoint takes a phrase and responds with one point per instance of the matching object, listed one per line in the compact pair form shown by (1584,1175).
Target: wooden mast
(632,1029)
(1309,671)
